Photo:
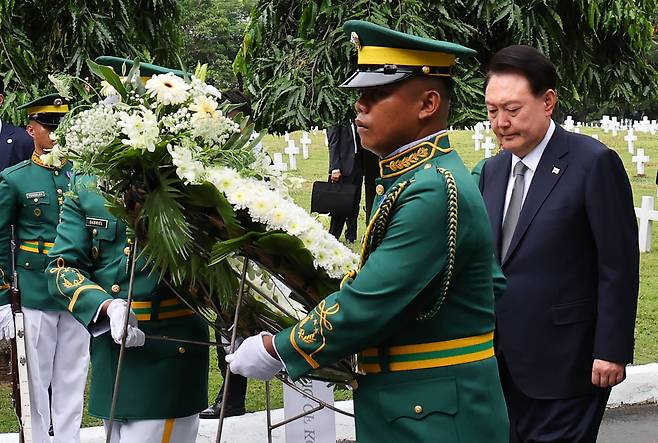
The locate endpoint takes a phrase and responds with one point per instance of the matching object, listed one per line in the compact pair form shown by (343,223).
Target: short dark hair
(235,97)
(527,61)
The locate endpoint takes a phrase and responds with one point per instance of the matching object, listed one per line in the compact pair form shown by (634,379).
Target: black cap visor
(51,121)
(366,79)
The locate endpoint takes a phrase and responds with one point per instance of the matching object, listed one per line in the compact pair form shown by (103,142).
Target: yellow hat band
(48,109)
(379,55)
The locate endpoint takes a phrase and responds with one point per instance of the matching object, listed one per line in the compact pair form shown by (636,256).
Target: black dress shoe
(213,411)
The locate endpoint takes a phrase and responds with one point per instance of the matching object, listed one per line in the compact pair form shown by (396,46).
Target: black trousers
(237,389)
(564,420)
(351,220)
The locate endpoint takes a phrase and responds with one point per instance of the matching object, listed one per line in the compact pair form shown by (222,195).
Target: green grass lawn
(316,168)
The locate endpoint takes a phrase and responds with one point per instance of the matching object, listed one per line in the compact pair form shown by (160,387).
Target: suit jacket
(15,145)
(572,266)
(341,151)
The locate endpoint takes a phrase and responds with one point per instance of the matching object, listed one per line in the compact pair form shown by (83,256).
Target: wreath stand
(284,379)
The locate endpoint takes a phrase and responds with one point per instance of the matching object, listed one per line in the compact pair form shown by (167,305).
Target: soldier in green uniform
(420,311)
(163,384)
(31,195)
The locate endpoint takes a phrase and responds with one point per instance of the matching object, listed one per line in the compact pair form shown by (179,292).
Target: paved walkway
(633,422)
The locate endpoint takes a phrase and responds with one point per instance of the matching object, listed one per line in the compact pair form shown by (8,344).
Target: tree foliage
(212,34)
(38,37)
(294,53)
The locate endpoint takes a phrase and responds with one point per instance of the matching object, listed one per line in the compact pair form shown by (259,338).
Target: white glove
(116,311)
(252,360)
(7,328)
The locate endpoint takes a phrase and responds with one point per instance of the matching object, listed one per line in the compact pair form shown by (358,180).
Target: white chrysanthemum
(168,89)
(141,128)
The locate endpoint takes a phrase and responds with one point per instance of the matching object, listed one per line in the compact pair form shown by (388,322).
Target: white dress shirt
(531,161)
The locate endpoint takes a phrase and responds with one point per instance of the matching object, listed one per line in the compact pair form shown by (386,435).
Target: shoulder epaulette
(16,167)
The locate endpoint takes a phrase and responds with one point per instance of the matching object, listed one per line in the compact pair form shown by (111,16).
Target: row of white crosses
(292,150)
(639,158)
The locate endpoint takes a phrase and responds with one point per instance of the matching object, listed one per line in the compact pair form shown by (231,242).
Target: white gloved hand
(7,328)
(116,311)
(252,360)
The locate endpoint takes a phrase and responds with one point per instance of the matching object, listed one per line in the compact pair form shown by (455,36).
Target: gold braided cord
(377,227)
(451,187)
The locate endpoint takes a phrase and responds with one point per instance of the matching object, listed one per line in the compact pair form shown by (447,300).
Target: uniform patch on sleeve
(92,222)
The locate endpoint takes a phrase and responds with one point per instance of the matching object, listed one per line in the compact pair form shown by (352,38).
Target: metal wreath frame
(284,379)
(243,284)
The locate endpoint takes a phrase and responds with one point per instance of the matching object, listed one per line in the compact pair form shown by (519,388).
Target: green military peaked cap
(387,56)
(47,110)
(123,65)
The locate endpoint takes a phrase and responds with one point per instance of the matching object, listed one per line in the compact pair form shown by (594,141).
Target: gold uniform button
(37,212)
(116,289)
(379,189)
(427,166)
(418,409)
(56,172)
(36,200)
(181,350)
(94,232)
(126,250)
(27,264)
(60,192)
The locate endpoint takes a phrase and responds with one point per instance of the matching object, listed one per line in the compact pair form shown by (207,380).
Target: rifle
(19,384)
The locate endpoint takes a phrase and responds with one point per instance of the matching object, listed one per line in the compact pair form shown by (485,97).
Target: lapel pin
(556,170)
(9,140)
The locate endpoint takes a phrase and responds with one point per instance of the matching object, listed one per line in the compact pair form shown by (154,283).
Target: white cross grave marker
(647,216)
(488,146)
(278,162)
(640,160)
(478,136)
(568,124)
(286,137)
(605,123)
(630,138)
(487,126)
(292,150)
(306,142)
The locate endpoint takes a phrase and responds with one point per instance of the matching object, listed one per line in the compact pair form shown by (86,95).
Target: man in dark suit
(15,144)
(345,166)
(561,210)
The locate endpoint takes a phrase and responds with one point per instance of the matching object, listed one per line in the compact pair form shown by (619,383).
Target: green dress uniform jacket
(425,347)
(31,195)
(89,265)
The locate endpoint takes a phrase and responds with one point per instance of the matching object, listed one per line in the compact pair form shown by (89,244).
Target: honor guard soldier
(31,196)
(420,311)
(163,384)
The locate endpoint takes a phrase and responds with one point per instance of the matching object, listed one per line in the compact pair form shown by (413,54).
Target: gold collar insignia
(414,156)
